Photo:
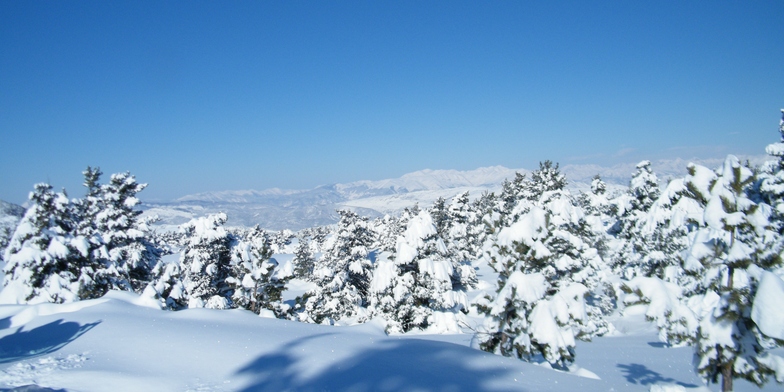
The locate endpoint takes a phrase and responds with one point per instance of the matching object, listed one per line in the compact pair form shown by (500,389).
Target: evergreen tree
(120,255)
(545,270)
(441,217)
(632,208)
(199,279)
(771,188)
(598,216)
(528,315)
(256,281)
(93,244)
(644,187)
(415,288)
(727,255)
(511,193)
(547,178)
(732,241)
(452,223)
(464,239)
(387,229)
(44,259)
(303,260)
(343,273)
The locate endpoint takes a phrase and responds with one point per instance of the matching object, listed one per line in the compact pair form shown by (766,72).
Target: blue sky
(200,96)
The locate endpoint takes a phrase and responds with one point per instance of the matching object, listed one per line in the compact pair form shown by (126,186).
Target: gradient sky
(200,96)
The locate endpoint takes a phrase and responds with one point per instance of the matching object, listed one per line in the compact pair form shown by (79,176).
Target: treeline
(701,253)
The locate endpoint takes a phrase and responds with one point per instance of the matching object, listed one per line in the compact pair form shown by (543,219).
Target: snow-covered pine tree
(204,265)
(44,259)
(281,241)
(511,193)
(441,217)
(304,262)
(632,208)
(343,273)
(729,253)
(644,187)
(545,179)
(599,216)
(772,187)
(545,270)
(255,278)
(663,234)
(596,202)
(386,230)
(726,316)
(418,287)
(464,238)
(528,316)
(121,257)
(124,233)
(452,227)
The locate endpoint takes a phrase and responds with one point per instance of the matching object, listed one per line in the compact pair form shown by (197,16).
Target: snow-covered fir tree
(729,251)
(632,208)
(440,216)
(198,279)
(121,256)
(501,213)
(386,230)
(527,315)
(726,315)
(281,241)
(663,234)
(596,202)
(256,279)
(644,187)
(342,274)
(464,236)
(454,228)
(420,285)
(304,262)
(44,259)
(772,186)
(546,178)
(545,270)
(599,216)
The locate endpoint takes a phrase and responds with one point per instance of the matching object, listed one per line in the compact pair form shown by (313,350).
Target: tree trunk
(726,377)
(726,368)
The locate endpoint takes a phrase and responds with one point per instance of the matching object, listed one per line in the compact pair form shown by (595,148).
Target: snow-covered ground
(122,343)
(116,344)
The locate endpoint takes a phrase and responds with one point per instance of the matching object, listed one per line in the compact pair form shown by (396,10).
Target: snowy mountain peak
(429,179)
(295,209)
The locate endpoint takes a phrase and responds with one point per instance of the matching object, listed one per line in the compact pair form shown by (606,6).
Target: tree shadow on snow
(5,323)
(41,340)
(390,365)
(636,373)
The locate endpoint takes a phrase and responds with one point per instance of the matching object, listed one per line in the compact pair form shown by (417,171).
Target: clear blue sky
(199,96)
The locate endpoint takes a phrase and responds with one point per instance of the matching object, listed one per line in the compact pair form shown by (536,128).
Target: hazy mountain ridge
(10,215)
(296,209)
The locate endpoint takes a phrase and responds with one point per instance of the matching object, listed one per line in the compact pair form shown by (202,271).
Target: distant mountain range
(278,209)
(10,214)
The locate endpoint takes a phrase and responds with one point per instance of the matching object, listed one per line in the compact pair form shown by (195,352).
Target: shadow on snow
(41,340)
(390,365)
(636,373)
